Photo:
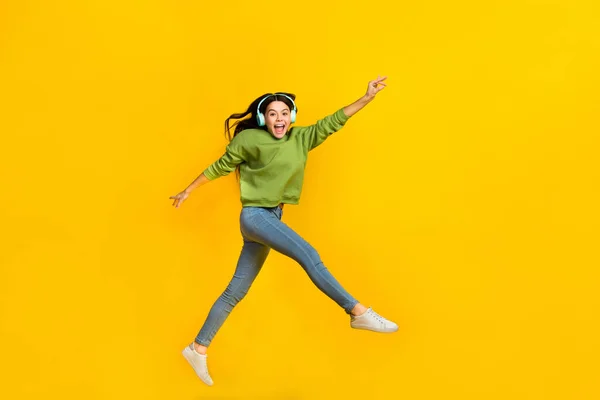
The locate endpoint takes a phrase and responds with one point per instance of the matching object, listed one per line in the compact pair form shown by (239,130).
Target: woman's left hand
(375,86)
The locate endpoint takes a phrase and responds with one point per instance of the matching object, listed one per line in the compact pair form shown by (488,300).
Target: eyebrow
(283,109)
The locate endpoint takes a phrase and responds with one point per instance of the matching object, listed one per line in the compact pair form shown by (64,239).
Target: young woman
(270,157)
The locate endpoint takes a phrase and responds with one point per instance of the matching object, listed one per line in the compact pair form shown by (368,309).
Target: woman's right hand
(179,198)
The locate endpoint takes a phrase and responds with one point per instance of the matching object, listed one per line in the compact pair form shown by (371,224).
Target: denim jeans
(263,230)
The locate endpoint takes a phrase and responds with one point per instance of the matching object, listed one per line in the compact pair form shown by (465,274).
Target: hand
(375,86)
(179,198)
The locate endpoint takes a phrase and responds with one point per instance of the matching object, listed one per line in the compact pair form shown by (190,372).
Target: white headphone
(260,117)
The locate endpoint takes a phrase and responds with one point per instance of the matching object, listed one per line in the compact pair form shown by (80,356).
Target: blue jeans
(262,230)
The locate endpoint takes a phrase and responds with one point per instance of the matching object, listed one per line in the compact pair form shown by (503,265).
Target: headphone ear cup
(293,116)
(260,118)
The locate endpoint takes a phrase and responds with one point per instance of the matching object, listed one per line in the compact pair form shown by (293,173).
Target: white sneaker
(198,362)
(372,321)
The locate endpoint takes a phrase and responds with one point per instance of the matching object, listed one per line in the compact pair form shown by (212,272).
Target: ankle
(358,310)
(200,349)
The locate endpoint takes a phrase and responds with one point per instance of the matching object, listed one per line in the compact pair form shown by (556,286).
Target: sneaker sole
(375,330)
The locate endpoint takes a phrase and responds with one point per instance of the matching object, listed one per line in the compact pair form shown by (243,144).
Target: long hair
(244,122)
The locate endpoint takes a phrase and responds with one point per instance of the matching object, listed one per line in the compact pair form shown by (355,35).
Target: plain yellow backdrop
(462,203)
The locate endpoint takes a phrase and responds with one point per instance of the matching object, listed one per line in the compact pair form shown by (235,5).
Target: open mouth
(279,128)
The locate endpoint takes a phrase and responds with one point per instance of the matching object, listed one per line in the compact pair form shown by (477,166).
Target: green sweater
(271,169)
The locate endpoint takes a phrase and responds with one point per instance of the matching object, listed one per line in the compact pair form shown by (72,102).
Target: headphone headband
(260,118)
(275,94)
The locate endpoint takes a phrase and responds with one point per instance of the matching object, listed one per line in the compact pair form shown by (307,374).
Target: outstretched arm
(183,195)
(234,155)
(316,134)
(199,181)
(375,86)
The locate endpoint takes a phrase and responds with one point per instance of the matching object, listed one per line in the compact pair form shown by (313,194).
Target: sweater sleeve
(235,154)
(314,135)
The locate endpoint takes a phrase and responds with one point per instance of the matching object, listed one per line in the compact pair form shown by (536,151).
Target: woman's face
(277,118)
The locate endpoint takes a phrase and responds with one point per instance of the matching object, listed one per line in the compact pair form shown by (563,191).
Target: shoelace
(206,373)
(378,317)
(203,361)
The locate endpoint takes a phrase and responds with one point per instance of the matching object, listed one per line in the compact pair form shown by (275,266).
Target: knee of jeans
(316,257)
(320,266)
(313,260)
(232,297)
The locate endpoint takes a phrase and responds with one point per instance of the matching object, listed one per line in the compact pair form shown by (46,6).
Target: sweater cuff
(341,115)
(209,175)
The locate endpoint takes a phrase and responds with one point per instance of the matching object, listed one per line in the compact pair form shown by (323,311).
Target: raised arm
(316,134)
(374,87)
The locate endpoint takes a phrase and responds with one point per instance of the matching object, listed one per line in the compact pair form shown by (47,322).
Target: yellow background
(462,203)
